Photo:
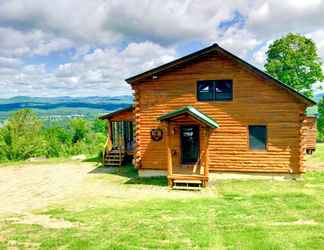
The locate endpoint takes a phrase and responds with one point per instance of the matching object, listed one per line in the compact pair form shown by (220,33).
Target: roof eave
(185,110)
(216,47)
(107,116)
(171,64)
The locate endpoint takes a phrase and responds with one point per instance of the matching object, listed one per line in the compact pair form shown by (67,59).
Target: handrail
(199,162)
(107,148)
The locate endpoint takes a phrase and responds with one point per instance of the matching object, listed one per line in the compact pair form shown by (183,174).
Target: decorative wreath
(156,134)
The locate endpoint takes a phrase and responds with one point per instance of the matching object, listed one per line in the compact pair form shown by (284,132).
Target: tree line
(24,136)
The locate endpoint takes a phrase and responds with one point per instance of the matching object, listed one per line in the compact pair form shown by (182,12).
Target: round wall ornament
(156,134)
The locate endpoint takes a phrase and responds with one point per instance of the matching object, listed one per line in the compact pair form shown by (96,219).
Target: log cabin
(212,112)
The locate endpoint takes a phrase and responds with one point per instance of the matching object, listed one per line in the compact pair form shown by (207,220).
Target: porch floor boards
(188,170)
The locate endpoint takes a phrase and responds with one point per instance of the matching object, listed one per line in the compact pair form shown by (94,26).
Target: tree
(293,60)
(79,129)
(320,121)
(21,137)
(99,126)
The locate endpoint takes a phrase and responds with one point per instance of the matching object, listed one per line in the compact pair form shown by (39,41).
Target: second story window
(215,90)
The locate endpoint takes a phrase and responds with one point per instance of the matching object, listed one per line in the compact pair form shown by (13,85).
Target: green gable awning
(192,112)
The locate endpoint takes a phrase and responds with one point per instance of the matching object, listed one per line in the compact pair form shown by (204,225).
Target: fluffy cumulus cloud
(81,47)
(100,72)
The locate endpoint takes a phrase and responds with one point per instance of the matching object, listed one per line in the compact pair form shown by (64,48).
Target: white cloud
(15,43)
(232,40)
(101,72)
(270,18)
(259,57)
(106,41)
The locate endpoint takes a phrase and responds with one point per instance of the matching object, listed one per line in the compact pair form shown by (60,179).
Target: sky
(88,47)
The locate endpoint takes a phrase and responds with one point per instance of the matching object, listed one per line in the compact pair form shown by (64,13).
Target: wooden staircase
(114,158)
(187,184)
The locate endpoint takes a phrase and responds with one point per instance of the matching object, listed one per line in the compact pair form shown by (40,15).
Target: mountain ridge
(64,107)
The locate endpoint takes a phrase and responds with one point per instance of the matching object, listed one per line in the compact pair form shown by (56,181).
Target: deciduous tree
(293,59)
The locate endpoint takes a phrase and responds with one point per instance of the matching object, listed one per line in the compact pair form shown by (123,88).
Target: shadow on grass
(132,174)
(96,159)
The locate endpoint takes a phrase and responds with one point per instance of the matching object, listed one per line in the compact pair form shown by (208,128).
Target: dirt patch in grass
(314,166)
(30,187)
(44,221)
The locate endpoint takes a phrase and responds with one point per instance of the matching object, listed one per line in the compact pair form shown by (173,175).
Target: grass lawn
(236,214)
(318,156)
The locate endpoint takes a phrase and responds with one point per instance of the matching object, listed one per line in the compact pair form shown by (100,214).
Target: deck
(188,174)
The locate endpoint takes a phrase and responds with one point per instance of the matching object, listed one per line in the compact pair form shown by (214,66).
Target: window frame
(266,138)
(213,99)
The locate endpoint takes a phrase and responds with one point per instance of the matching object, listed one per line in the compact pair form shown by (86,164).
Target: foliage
(78,129)
(320,121)
(21,137)
(293,59)
(24,136)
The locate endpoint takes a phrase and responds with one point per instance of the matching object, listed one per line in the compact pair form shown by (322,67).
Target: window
(215,90)
(258,137)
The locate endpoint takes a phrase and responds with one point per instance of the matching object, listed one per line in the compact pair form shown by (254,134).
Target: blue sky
(82,48)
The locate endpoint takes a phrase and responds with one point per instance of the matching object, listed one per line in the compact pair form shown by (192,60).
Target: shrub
(21,137)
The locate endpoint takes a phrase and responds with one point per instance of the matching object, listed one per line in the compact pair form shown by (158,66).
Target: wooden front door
(189,143)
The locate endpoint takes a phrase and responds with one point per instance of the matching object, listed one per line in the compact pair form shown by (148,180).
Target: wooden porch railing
(106,149)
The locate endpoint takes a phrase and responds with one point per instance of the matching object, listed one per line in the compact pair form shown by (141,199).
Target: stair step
(186,188)
(114,159)
(112,164)
(116,152)
(188,181)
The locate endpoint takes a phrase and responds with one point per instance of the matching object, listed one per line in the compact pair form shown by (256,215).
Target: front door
(189,137)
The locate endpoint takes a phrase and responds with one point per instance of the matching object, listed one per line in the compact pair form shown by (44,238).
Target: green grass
(243,215)
(318,155)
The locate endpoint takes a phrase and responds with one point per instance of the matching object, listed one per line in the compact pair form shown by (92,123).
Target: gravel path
(35,186)
(31,186)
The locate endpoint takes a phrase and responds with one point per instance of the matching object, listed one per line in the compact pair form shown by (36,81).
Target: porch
(187,135)
(120,141)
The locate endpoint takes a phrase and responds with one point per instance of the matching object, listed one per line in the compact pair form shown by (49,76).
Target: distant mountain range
(47,103)
(64,107)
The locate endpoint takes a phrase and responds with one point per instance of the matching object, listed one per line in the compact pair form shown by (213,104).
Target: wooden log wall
(309,132)
(256,101)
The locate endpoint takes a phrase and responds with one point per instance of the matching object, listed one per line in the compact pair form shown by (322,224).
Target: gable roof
(117,112)
(216,48)
(194,113)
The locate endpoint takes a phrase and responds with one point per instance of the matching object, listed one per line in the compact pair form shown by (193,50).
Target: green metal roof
(194,113)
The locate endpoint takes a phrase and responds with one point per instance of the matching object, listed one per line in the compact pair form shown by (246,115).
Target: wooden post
(169,153)
(206,168)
